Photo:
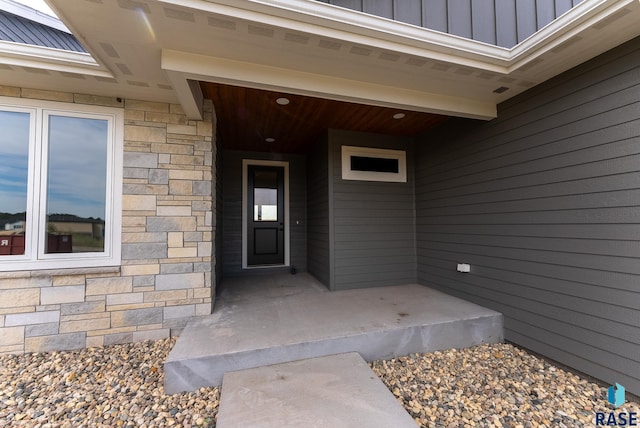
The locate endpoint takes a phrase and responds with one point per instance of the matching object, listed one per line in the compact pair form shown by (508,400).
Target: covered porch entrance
(279,318)
(348,231)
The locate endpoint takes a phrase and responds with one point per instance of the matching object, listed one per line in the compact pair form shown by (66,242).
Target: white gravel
(121,385)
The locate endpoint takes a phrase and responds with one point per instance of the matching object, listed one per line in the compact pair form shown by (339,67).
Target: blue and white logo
(616,395)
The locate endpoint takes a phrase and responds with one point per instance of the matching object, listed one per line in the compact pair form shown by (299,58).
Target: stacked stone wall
(168,216)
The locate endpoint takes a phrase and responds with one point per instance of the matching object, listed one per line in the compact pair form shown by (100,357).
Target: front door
(265,216)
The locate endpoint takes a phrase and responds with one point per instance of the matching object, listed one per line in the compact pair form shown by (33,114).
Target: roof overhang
(157,49)
(44,58)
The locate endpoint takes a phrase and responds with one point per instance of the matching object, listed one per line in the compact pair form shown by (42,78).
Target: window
(60,185)
(371,164)
(265,196)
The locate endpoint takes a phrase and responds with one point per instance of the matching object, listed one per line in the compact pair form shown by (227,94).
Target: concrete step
(338,391)
(291,323)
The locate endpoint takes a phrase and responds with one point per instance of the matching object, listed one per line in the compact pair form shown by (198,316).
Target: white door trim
(245,169)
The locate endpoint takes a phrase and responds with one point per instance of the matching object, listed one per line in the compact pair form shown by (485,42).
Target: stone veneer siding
(165,277)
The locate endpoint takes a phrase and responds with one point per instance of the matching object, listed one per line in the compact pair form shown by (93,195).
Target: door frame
(287,222)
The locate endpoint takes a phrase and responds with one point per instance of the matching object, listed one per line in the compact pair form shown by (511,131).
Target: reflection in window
(265,196)
(14,163)
(76,184)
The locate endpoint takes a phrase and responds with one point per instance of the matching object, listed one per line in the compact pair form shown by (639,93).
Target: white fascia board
(360,28)
(32,15)
(50,59)
(558,31)
(356,27)
(259,76)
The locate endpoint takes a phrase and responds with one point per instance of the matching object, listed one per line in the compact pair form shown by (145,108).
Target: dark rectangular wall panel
(409,11)
(483,15)
(434,15)
(542,202)
(459,18)
(374,222)
(232,211)
(318,242)
(383,8)
(506,26)
(349,4)
(526,18)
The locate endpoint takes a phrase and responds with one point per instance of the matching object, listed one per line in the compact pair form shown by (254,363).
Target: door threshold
(265,266)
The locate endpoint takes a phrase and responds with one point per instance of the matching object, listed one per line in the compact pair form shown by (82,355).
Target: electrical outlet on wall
(464,267)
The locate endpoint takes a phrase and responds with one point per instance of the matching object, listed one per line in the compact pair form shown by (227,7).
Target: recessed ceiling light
(399,115)
(283,101)
(269,140)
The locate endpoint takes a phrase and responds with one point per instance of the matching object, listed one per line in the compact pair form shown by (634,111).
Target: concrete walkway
(338,391)
(275,319)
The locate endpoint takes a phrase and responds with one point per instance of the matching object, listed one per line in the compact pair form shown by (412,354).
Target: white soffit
(155,49)
(473,69)
(315,17)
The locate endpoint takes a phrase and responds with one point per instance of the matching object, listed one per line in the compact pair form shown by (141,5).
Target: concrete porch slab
(269,320)
(338,391)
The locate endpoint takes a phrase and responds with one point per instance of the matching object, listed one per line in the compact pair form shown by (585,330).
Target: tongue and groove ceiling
(248,117)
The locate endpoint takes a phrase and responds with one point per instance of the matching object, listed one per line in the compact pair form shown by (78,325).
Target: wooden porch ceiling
(247,117)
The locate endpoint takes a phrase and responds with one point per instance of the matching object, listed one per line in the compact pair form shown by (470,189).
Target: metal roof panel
(14,28)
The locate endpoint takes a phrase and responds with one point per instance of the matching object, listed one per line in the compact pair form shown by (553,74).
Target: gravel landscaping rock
(493,386)
(121,385)
(115,386)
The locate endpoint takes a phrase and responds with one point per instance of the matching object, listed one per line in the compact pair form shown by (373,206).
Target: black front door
(265,216)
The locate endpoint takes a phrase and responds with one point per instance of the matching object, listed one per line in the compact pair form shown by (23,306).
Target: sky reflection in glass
(77,166)
(14,161)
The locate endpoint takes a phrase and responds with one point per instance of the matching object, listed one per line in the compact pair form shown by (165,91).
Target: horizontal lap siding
(544,204)
(232,212)
(374,222)
(500,22)
(318,212)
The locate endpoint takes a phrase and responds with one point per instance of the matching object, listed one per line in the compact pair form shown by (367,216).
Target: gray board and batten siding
(544,204)
(232,211)
(498,22)
(218,212)
(318,251)
(372,224)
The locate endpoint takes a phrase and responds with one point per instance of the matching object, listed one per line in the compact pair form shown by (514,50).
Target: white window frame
(35,257)
(393,177)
